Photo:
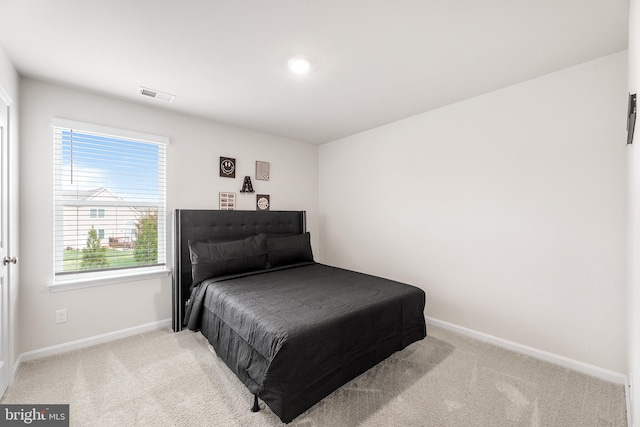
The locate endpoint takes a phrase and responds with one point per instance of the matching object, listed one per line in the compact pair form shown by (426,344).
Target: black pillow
(218,259)
(289,249)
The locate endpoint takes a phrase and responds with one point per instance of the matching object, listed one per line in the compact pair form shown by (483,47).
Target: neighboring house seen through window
(109,202)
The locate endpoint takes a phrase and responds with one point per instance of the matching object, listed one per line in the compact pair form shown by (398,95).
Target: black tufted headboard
(214,225)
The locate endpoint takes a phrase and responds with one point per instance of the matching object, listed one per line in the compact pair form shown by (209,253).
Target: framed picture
(262,202)
(262,171)
(227,167)
(227,201)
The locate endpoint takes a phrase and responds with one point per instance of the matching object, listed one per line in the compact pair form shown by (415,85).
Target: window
(109,196)
(96,213)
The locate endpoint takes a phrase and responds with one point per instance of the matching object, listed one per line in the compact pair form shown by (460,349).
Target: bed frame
(214,225)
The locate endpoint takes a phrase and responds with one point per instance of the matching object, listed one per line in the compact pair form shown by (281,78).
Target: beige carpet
(173,379)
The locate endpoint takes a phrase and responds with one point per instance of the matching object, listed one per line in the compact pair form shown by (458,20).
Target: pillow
(218,259)
(289,249)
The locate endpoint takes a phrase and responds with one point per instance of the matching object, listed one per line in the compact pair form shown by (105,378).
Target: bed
(291,329)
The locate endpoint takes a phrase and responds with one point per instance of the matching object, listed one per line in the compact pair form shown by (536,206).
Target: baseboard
(90,341)
(566,362)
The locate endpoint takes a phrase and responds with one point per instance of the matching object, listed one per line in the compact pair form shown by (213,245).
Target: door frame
(6,345)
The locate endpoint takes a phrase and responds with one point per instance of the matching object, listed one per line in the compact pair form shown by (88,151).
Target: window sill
(89,280)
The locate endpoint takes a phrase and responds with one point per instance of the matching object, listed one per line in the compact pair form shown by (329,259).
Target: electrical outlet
(61,315)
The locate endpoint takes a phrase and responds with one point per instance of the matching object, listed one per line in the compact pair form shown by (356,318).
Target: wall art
(262,202)
(246,185)
(227,201)
(227,167)
(262,171)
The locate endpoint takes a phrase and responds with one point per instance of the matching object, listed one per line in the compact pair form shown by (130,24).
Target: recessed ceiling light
(299,65)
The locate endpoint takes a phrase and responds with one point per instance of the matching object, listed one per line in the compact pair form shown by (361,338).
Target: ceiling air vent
(155,94)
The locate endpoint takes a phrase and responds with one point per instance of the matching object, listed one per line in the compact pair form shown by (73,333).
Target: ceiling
(374,61)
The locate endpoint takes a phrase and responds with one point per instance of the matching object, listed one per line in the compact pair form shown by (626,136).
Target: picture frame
(262,170)
(227,167)
(227,201)
(263,202)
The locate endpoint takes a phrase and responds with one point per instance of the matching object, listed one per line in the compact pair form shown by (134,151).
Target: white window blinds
(109,192)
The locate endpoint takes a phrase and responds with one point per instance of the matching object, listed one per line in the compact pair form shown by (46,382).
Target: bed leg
(256,407)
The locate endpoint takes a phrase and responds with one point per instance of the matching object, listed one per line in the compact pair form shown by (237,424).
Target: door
(5,260)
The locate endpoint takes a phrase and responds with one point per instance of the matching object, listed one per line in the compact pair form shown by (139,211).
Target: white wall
(508,209)
(633,335)
(8,76)
(192,182)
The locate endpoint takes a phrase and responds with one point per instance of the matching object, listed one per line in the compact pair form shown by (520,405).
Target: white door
(6,259)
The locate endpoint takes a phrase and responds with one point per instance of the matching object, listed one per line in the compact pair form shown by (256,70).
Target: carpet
(162,378)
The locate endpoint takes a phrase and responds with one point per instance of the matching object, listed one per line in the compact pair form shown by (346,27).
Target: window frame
(76,280)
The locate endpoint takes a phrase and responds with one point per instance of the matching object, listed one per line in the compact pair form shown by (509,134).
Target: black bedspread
(293,335)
